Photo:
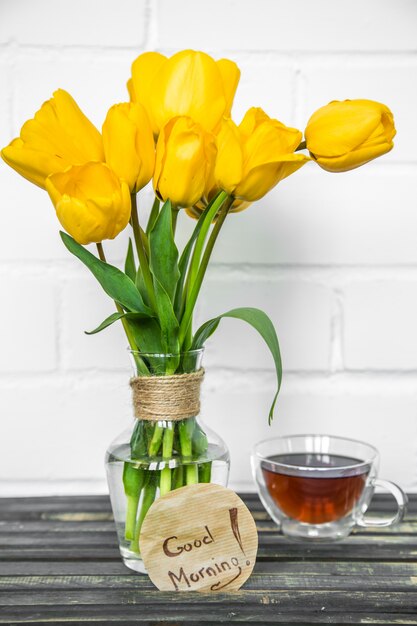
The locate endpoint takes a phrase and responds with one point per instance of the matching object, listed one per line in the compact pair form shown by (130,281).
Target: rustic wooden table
(59,563)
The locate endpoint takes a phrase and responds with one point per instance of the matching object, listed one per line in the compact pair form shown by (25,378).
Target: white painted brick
(32,226)
(267,85)
(28,325)
(287,26)
(240,415)
(394,85)
(366,216)
(93,23)
(5,100)
(84,307)
(380,325)
(301,313)
(96,80)
(30,216)
(61,431)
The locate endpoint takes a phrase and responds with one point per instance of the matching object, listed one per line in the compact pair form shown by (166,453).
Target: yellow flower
(185,155)
(91,202)
(343,135)
(58,136)
(188,83)
(129,145)
(254,156)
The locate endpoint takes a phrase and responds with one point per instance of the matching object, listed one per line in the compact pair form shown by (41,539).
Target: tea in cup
(320,486)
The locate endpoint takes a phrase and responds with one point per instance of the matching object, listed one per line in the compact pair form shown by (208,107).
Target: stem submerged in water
(167,444)
(149,493)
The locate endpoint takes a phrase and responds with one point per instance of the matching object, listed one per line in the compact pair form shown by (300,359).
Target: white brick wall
(332,259)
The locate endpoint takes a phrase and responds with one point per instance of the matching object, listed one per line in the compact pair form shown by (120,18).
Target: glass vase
(155,456)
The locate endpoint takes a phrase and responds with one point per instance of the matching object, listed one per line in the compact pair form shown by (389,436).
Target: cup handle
(383,520)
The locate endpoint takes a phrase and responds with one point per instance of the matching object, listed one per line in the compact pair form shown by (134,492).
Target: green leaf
(258,320)
(167,319)
(153,215)
(114,282)
(130,266)
(163,259)
(107,322)
(147,334)
(140,285)
(185,258)
(114,317)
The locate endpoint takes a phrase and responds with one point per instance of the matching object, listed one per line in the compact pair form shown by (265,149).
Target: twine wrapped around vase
(175,397)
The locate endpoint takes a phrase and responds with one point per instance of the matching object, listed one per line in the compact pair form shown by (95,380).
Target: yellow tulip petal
(228,169)
(230,74)
(91,203)
(33,165)
(269,140)
(262,178)
(129,145)
(252,118)
(181,167)
(191,85)
(340,127)
(353,159)
(60,127)
(145,82)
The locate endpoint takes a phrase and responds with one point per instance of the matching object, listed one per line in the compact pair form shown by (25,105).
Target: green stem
(186,431)
(178,477)
(133,480)
(130,338)
(196,285)
(174,219)
(198,248)
(156,440)
(143,261)
(204,472)
(167,444)
(153,215)
(149,493)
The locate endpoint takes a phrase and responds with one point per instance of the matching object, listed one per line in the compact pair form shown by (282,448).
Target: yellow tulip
(58,136)
(185,155)
(189,83)
(343,135)
(254,156)
(91,202)
(129,145)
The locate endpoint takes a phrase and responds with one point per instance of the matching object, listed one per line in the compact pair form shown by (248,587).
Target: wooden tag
(199,538)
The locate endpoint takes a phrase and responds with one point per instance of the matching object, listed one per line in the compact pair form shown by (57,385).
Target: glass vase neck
(165,364)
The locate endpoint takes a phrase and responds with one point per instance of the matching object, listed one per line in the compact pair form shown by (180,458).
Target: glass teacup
(320,486)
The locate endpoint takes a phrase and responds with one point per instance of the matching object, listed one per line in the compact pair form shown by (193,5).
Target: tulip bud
(129,145)
(343,135)
(254,156)
(189,83)
(185,156)
(58,136)
(91,202)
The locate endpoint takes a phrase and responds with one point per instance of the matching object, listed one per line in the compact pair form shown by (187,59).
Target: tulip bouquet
(177,132)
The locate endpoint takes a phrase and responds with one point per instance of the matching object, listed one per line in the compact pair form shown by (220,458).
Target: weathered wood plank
(381,502)
(194,616)
(257,582)
(107,525)
(340,552)
(311,600)
(68,535)
(340,569)
(108,539)
(59,563)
